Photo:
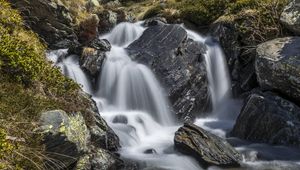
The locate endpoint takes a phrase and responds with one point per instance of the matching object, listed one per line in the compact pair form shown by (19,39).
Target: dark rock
(91,61)
(205,147)
(88,29)
(277,66)
(50,19)
(155,21)
(177,62)
(268,118)
(120,119)
(150,151)
(290,16)
(100,44)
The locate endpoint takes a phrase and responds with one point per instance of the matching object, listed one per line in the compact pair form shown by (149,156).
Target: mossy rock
(66,137)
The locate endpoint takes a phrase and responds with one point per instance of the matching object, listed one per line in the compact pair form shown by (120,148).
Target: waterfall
(134,104)
(127,85)
(217,71)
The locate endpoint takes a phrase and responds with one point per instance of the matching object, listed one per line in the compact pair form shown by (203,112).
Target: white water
(134,105)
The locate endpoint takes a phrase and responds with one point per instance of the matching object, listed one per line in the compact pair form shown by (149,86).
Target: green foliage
(201,12)
(153,11)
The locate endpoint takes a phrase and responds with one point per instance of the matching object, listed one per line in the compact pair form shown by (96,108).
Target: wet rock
(91,61)
(205,147)
(102,136)
(88,29)
(50,19)
(150,151)
(268,118)
(100,44)
(120,119)
(66,137)
(177,62)
(277,66)
(290,16)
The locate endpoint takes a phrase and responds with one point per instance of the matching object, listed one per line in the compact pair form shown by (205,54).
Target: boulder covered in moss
(277,66)
(66,137)
(206,148)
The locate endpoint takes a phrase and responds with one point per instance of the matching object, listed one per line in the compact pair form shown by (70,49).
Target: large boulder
(278,66)
(205,147)
(268,118)
(290,17)
(81,140)
(177,62)
(50,19)
(66,137)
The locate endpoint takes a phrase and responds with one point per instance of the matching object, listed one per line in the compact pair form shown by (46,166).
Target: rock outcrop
(277,66)
(177,62)
(50,19)
(268,118)
(290,17)
(205,147)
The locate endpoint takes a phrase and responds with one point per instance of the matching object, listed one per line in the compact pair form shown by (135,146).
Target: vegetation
(256,20)
(29,85)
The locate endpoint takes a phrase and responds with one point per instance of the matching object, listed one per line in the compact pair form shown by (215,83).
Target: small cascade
(217,71)
(127,85)
(70,67)
(124,33)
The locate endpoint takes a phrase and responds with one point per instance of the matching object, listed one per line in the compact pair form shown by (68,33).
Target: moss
(77,131)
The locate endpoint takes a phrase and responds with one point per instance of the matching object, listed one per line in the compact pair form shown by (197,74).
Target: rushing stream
(133,103)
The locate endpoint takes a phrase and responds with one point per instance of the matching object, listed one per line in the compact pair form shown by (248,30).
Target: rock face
(278,66)
(290,17)
(177,62)
(268,118)
(50,19)
(205,147)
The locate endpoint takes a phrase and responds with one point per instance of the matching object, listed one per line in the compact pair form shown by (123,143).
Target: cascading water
(134,105)
(218,79)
